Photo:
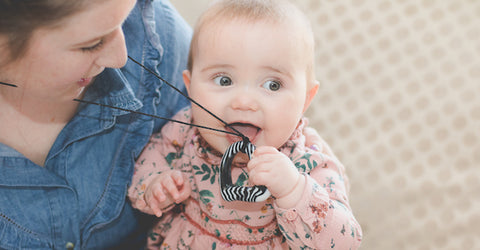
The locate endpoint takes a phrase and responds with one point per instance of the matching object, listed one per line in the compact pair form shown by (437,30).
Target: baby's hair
(275,11)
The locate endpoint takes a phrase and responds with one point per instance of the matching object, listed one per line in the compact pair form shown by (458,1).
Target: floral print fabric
(322,219)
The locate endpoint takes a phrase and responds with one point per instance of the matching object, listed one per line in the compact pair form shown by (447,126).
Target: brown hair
(20,18)
(251,11)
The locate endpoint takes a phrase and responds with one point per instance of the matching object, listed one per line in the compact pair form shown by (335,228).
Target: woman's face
(60,62)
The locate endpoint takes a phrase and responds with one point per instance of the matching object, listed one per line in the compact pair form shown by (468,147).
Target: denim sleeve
(159,38)
(174,35)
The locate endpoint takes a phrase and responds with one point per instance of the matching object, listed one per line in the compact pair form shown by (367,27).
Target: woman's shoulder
(159,24)
(178,128)
(160,20)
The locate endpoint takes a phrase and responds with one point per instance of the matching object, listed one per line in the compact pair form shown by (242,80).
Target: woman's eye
(272,85)
(95,47)
(223,80)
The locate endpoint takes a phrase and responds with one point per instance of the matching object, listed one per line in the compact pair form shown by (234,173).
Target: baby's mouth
(247,129)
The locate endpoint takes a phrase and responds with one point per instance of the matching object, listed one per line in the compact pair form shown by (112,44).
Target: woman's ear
(186,79)
(311,94)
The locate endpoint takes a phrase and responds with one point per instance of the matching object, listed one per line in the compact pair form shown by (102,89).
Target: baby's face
(254,77)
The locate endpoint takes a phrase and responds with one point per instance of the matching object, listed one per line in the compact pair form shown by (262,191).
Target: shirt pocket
(14,236)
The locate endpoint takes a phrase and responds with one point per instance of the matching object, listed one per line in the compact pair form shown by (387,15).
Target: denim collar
(111,88)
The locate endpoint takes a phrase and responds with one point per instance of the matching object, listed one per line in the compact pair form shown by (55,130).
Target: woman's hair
(20,18)
(251,11)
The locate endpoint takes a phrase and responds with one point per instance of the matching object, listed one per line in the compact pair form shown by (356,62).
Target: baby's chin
(217,143)
(240,160)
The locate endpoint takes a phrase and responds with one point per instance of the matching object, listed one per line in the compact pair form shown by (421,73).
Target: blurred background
(399,103)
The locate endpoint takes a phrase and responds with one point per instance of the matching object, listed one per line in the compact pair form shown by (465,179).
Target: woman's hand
(166,189)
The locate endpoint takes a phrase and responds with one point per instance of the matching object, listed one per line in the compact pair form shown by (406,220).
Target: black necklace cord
(229,191)
(154,116)
(238,133)
(8,84)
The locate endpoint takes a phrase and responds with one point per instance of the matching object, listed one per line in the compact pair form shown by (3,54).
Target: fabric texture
(78,199)
(322,219)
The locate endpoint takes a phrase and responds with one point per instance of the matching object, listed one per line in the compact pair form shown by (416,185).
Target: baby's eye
(223,80)
(272,85)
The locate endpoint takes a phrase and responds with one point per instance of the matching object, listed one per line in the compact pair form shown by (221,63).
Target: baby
(251,64)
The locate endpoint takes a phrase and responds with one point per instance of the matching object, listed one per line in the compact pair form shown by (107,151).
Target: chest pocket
(14,236)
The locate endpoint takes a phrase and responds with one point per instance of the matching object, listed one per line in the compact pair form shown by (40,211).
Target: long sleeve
(322,219)
(156,157)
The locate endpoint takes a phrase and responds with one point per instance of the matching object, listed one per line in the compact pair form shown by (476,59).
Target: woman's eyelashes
(94,47)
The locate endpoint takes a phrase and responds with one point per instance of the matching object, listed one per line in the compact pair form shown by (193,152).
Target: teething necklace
(229,191)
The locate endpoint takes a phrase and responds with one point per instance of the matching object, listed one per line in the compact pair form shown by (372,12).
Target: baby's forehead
(293,27)
(282,15)
(296,48)
(281,18)
(301,38)
(285,15)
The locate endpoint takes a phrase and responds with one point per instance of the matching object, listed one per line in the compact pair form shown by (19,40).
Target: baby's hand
(276,171)
(167,188)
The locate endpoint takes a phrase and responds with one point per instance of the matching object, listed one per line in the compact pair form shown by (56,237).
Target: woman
(65,166)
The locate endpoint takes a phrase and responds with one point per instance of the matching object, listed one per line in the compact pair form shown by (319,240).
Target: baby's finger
(154,206)
(170,187)
(262,150)
(158,193)
(184,192)
(260,162)
(178,178)
(259,177)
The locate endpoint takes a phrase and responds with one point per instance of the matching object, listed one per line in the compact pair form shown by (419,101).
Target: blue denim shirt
(78,199)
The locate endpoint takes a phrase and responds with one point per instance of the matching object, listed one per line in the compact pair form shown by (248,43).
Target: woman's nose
(114,55)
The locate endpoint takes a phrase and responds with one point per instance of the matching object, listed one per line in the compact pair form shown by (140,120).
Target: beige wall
(190,9)
(400,106)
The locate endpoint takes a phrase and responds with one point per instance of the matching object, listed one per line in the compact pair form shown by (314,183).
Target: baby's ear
(311,94)
(186,79)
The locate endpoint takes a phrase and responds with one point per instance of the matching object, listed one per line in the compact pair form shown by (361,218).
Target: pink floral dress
(321,220)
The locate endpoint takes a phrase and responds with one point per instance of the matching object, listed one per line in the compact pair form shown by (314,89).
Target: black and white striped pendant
(239,193)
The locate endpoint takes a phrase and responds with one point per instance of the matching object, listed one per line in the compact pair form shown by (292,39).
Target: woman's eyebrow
(91,41)
(96,38)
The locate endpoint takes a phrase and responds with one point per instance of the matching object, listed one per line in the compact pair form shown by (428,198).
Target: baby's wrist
(297,181)
(291,198)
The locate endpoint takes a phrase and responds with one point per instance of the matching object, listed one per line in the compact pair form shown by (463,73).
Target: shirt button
(291,215)
(69,245)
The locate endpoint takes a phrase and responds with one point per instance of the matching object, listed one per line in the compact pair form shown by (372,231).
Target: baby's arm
(313,210)
(319,221)
(156,184)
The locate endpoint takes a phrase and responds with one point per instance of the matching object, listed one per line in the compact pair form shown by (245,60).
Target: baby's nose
(245,100)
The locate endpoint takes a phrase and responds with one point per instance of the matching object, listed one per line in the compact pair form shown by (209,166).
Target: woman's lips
(83,82)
